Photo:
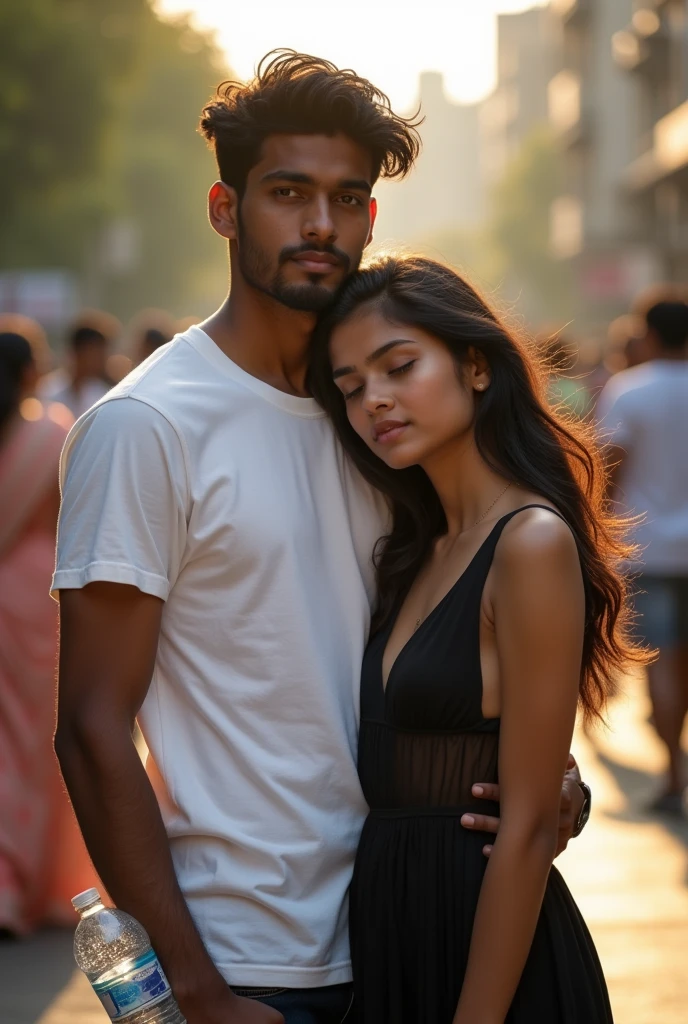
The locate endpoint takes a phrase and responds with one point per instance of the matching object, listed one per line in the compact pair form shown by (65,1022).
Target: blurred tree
(58,87)
(163,172)
(100,168)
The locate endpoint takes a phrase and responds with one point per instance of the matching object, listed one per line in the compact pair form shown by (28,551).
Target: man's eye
(402,369)
(350,200)
(286,192)
(352,394)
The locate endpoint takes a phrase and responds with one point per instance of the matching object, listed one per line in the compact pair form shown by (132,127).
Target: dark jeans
(329,1005)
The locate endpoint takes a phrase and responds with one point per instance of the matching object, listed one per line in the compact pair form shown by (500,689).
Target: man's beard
(255,267)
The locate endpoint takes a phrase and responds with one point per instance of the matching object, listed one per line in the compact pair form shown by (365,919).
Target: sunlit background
(553,169)
(554,173)
(388,42)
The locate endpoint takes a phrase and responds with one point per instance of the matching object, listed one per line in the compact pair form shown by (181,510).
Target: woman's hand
(572,800)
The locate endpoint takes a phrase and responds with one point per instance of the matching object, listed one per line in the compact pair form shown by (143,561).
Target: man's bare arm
(108,642)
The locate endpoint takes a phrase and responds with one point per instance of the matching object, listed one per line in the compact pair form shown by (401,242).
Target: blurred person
(42,859)
(151,340)
(148,331)
(627,339)
(501,608)
(644,413)
(215,575)
(84,380)
(660,291)
(118,366)
(31,330)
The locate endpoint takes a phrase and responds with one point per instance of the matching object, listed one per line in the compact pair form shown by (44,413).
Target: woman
(500,611)
(42,859)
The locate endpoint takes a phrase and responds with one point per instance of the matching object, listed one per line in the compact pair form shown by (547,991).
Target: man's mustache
(289,251)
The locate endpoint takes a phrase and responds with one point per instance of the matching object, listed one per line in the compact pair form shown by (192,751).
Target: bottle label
(144,984)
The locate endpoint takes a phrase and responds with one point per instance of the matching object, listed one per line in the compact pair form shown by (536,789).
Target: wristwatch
(584,811)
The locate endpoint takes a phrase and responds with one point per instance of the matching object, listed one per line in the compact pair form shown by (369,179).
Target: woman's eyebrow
(377,354)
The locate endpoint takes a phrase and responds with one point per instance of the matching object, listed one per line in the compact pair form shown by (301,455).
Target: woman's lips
(386,433)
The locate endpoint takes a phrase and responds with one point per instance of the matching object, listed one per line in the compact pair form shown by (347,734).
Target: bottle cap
(86,899)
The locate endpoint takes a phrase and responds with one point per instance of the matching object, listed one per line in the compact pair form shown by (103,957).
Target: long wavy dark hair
(517,435)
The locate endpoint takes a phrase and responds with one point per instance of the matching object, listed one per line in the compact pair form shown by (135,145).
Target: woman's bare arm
(570,807)
(539,612)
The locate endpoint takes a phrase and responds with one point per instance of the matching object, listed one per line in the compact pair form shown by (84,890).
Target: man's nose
(319,225)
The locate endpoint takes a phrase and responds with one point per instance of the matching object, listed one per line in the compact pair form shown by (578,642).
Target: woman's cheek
(359,422)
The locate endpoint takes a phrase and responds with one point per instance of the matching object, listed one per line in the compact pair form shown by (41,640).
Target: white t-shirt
(644,410)
(234,503)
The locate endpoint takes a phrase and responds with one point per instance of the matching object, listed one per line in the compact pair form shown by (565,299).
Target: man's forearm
(124,832)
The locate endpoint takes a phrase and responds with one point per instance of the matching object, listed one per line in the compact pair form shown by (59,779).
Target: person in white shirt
(215,576)
(84,381)
(644,412)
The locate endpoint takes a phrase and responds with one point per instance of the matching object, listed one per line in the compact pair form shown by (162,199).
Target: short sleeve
(124,511)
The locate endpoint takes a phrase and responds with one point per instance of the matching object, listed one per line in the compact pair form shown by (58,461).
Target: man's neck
(263,337)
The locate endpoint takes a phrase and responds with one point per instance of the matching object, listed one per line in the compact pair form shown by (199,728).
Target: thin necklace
(478,520)
(490,507)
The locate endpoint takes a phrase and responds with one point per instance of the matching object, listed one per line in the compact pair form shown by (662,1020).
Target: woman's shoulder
(537,537)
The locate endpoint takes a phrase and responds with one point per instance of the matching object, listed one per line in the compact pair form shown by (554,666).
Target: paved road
(629,873)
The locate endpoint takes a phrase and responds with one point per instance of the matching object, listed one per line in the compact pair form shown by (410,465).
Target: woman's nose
(373,402)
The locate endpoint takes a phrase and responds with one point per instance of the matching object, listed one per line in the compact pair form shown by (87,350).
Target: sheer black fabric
(423,744)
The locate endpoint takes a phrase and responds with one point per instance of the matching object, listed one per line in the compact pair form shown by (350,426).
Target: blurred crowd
(43,861)
(630,386)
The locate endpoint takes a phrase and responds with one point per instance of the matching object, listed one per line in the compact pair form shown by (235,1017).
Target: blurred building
(593,103)
(652,48)
(525,65)
(445,189)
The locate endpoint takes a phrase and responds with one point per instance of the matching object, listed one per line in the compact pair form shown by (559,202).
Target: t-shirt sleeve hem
(110,572)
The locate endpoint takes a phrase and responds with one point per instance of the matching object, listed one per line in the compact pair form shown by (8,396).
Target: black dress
(423,743)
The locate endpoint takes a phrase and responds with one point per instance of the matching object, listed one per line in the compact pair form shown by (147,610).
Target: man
(645,412)
(85,380)
(214,558)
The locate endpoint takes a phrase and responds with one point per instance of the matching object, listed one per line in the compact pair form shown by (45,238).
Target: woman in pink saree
(43,861)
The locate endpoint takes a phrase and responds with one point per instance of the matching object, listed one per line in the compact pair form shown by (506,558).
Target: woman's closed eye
(402,369)
(348,395)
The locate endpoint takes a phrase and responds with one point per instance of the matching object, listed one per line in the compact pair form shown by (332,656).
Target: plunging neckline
(402,650)
(431,613)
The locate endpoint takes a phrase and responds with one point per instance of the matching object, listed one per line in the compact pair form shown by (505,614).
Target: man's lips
(316,262)
(388,430)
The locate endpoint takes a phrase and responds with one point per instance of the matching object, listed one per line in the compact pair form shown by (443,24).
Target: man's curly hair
(294,93)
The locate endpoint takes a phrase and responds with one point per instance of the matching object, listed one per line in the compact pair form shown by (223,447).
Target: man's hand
(219,1005)
(572,800)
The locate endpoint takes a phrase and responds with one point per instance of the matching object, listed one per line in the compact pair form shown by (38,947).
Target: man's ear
(223,210)
(373,217)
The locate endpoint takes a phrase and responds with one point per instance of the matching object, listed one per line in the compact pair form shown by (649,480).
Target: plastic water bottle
(115,954)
